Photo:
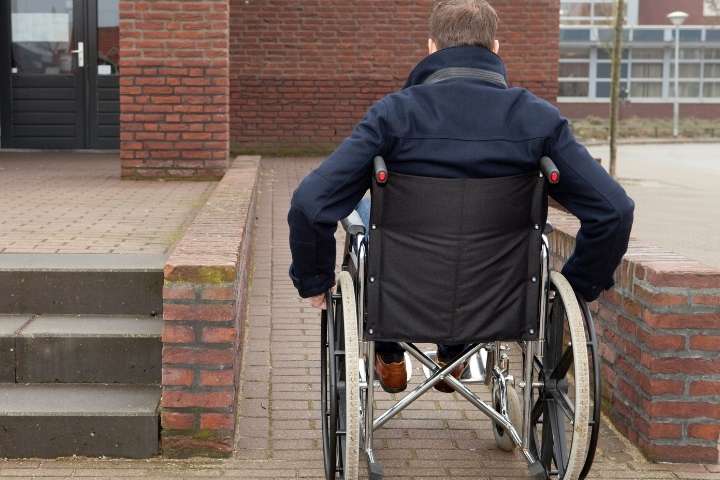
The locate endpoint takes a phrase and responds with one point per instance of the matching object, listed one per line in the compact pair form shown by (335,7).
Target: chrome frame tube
(462,389)
(438,375)
(369,402)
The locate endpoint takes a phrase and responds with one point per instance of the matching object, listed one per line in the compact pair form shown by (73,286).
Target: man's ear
(496,47)
(432,46)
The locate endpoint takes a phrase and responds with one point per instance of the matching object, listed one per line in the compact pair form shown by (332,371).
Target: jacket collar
(471,57)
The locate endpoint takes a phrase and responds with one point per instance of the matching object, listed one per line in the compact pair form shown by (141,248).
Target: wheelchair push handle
(381,171)
(550,170)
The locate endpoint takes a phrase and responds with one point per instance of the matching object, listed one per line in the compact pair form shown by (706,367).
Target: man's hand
(318,301)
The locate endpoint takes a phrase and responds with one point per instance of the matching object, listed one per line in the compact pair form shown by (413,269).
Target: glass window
(42,36)
(711,89)
(602,89)
(648,53)
(604,70)
(575,53)
(574,70)
(687,89)
(654,35)
(712,70)
(575,9)
(712,53)
(608,35)
(604,9)
(108,37)
(712,35)
(690,35)
(690,53)
(646,89)
(647,70)
(687,70)
(575,35)
(604,53)
(574,89)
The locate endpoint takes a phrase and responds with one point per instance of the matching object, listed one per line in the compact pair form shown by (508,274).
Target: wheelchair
(461,261)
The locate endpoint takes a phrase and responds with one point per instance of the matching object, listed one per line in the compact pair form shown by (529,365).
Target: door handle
(80,53)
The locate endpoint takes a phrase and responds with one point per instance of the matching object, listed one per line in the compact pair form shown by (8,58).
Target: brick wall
(659,334)
(303,73)
(204,309)
(174,88)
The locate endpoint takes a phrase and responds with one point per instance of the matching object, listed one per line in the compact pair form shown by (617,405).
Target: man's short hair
(463,22)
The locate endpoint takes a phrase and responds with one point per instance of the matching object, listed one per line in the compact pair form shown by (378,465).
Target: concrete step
(49,421)
(81,283)
(80,349)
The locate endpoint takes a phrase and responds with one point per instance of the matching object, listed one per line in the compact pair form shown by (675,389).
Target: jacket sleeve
(604,209)
(326,196)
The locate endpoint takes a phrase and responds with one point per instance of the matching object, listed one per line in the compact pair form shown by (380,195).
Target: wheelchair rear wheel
(340,388)
(560,420)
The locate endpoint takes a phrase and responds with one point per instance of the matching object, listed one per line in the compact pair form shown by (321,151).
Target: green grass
(595,128)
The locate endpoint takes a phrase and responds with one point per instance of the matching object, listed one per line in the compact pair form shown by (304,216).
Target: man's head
(463,22)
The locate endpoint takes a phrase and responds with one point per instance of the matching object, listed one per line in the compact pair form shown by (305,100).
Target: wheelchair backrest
(455,260)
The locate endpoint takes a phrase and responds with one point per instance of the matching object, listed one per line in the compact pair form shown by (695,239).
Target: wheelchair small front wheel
(340,384)
(560,408)
(514,412)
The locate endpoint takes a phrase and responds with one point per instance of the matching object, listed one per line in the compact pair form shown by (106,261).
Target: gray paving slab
(11,324)
(78,400)
(92,326)
(81,262)
(675,188)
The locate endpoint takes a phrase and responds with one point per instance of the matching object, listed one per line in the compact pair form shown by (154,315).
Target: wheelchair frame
(496,370)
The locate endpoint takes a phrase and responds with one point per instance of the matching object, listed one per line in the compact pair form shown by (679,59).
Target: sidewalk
(439,437)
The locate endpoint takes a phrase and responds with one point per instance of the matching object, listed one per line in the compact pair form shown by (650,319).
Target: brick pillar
(659,335)
(174,88)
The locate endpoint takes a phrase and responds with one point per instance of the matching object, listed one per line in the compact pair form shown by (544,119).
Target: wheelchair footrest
(475,374)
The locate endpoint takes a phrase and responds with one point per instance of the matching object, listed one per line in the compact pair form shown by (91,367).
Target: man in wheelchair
(462,148)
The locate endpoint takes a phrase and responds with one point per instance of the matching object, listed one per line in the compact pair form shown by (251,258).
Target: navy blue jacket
(461,127)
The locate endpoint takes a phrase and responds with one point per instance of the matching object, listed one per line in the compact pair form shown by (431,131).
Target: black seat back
(455,260)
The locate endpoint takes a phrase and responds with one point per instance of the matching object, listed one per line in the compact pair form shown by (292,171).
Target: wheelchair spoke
(563,365)
(564,403)
(560,447)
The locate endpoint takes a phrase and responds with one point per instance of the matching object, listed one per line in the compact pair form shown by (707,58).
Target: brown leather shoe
(442,386)
(392,376)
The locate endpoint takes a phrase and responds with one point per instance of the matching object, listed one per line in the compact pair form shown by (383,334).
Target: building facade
(648,65)
(175,84)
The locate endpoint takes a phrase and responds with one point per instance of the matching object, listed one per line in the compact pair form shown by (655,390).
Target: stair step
(81,283)
(58,420)
(80,349)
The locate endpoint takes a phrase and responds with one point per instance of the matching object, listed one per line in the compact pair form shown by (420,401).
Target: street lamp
(677,18)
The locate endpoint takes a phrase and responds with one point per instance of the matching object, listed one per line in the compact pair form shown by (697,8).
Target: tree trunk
(615,84)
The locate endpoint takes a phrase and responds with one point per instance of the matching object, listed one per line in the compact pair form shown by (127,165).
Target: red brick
(214,378)
(198,356)
(705,342)
(217,293)
(691,366)
(219,335)
(217,421)
(680,409)
(682,321)
(177,376)
(679,453)
(660,299)
(179,399)
(705,387)
(705,431)
(712,300)
(177,421)
(199,312)
(660,341)
(177,334)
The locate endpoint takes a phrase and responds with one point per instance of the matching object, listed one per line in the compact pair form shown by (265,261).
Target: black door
(59,74)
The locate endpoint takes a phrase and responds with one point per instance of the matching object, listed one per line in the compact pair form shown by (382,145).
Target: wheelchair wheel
(340,388)
(560,412)
(595,388)
(514,411)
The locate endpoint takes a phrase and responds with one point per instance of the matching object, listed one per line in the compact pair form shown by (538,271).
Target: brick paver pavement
(439,437)
(76,203)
